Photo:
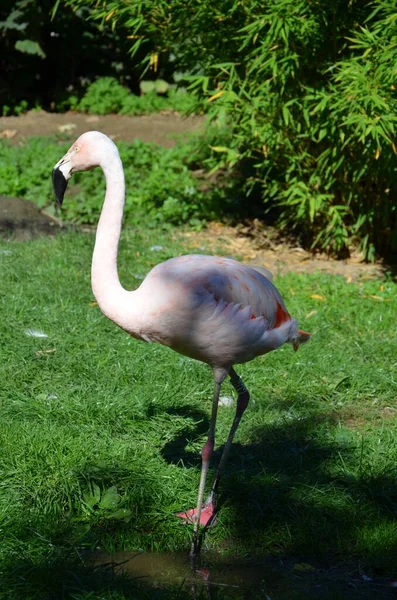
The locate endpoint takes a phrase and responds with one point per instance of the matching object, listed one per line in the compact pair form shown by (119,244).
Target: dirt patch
(162,128)
(364,417)
(259,245)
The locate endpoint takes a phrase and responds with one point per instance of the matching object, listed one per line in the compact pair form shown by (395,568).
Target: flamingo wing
(249,287)
(263,271)
(213,309)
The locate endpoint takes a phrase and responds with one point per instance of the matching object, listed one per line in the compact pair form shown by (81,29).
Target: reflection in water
(246,578)
(176,568)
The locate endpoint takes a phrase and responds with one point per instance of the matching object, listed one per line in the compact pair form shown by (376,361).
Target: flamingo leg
(204,514)
(206,454)
(242,403)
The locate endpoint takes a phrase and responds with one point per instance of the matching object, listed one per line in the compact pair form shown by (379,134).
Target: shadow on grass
(281,491)
(175,450)
(289,489)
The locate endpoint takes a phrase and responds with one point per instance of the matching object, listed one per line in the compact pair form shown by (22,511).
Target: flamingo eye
(77,148)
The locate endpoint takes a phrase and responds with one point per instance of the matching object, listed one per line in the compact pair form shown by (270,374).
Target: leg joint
(207,449)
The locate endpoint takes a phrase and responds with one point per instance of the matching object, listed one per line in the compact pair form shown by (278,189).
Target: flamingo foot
(207,515)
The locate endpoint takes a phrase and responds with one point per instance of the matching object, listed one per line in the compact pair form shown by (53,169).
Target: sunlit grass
(100,435)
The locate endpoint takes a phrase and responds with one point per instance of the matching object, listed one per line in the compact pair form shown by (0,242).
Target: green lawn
(100,435)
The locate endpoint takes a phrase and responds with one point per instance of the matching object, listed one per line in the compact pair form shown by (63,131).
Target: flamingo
(212,309)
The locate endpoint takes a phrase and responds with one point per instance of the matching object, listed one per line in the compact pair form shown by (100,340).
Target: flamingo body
(213,309)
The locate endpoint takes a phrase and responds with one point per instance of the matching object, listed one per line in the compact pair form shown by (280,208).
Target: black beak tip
(59,184)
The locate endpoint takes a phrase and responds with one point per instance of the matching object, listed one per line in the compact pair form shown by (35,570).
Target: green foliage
(158,85)
(103,505)
(50,62)
(18,109)
(45,61)
(24,170)
(161,184)
(308,90)
(15,22)
(316,133)
(106,95)
(29,47)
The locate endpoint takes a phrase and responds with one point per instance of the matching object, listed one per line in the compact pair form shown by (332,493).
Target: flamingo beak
(60,176)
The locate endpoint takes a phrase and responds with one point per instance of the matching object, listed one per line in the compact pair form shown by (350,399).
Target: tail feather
(302,337)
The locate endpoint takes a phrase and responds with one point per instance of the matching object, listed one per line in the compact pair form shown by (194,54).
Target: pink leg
(202,514)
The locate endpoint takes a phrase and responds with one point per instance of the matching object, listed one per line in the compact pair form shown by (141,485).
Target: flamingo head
(90,150)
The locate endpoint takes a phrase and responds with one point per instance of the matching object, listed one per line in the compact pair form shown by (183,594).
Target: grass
(100,435)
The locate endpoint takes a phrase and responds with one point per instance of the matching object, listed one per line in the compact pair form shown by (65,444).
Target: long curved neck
(106,285)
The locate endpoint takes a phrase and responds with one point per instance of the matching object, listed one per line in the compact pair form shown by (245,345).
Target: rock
(23,220)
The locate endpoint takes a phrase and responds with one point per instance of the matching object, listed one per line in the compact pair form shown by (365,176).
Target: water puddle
(250,578)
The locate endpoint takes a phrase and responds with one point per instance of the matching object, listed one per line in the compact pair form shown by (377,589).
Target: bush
(51,63)
(106,96)
(308,91)
(45,62)
(161,183)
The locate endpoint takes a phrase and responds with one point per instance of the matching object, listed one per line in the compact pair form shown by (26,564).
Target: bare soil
(163,128)
(253,243)
(260,245)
